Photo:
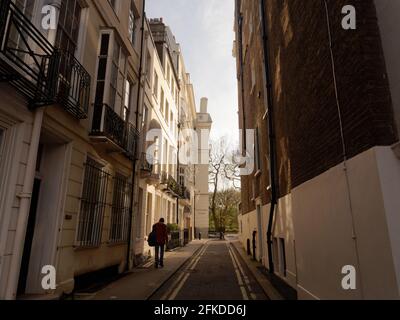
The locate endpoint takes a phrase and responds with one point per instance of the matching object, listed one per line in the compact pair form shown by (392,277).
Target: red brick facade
(306,112)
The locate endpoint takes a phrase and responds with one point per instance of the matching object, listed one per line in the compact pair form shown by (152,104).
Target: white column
(25,204)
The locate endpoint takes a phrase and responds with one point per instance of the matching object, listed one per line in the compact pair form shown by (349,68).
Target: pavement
(142,282)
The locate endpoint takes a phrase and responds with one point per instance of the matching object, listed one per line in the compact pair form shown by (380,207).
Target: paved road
(216,272)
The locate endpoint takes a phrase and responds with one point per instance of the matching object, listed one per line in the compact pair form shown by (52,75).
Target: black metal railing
(27,59)
(174,186)
(42,73)
(107,123)
(146,162)
(73,85)
(131,139)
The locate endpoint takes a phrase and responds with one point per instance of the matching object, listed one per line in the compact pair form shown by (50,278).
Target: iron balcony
(146,163)
(110,130)
(39,71)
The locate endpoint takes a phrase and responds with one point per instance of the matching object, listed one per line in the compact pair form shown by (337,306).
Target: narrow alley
(215,272)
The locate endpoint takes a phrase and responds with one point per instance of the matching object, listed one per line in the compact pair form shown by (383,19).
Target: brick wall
(308,130)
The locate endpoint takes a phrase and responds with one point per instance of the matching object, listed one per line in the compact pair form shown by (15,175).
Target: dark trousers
(160,254)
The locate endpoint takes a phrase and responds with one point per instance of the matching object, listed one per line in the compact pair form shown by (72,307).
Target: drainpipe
(177,170)
(194,202)
(345,159)
(240,45)
(136,145)
(25,203)
(271,133)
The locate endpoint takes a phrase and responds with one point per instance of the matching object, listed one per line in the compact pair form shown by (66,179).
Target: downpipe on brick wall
(134,162)
(271,133)
(354,234)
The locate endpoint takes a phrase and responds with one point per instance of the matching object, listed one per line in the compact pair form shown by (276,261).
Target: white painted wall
(316,222)
(16,120)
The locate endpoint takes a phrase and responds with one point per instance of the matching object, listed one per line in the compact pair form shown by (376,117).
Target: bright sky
(204,29)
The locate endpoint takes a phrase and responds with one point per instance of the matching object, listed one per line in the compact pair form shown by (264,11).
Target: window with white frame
(181,176)
(162,101)
(166,114)
(118,76)
(156,157)
(172,122)
(155,84)
(168,74)
(133,20)
(148,66)
(112,89)
(68,26)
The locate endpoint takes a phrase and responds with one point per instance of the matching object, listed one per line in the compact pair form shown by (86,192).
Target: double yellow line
(176,287)
(241,276)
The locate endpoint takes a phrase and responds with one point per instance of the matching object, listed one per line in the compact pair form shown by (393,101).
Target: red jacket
(161,233)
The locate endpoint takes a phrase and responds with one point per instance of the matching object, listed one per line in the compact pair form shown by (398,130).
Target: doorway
(30,231)
(46,212)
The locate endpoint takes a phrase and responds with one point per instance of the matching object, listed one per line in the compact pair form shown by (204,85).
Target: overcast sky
(204,29)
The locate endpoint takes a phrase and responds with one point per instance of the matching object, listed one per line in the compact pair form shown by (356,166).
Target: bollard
(199,235)
(254,245)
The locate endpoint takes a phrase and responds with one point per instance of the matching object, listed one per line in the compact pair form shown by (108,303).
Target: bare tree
(223,173)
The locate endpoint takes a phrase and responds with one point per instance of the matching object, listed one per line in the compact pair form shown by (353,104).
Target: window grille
(93,203)
(119,229)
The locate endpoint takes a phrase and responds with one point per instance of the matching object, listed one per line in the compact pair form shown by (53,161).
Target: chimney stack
(203,105)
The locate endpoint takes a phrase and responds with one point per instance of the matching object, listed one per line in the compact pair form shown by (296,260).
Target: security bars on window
(93,203)
(120,209)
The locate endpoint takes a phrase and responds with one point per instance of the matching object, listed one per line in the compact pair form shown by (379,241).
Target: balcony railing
(27,59)
(108,124)
(43,74)
(146,162)
(73,86)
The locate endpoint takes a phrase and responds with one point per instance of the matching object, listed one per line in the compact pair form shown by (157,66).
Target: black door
(23,275)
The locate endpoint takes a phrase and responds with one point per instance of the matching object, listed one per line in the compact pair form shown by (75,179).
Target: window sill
(84,248)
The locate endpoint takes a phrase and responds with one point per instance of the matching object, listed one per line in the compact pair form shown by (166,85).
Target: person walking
(161,235)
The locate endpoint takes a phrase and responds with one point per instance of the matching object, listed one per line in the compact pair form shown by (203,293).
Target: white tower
(203,127)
